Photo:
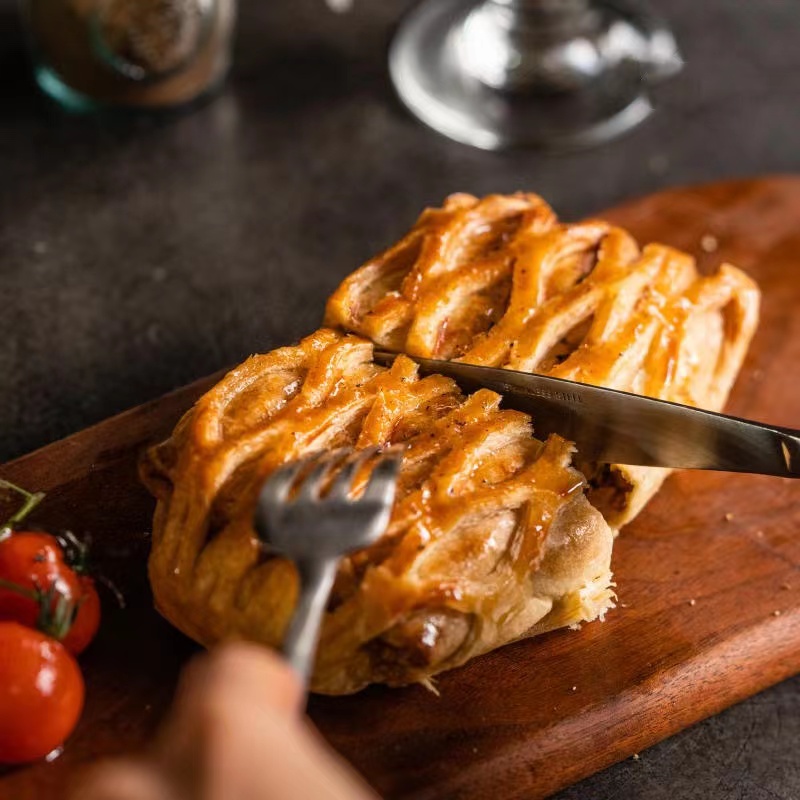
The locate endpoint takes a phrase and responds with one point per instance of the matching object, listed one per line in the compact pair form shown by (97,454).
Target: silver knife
(609,426)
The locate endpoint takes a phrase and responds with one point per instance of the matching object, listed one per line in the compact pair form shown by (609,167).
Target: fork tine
(342,482)
(322,465)
(316,541)
(383,480)
(276,489)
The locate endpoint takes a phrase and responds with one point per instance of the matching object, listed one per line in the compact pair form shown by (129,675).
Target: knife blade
(615,427)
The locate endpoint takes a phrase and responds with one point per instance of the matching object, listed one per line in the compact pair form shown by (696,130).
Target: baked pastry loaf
(491,537)
(494,536)
(500,282)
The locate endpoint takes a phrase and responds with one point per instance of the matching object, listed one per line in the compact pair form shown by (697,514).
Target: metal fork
(316,530)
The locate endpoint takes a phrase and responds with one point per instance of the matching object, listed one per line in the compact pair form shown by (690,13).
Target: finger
(246,670)
(235,731)
(121,780)
(232,676)
(252,752)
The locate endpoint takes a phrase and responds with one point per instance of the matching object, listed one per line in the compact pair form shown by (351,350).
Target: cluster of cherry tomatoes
(49,613)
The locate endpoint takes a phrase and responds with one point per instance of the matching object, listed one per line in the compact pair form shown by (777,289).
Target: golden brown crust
(492,537)
(491,530)
(499,282)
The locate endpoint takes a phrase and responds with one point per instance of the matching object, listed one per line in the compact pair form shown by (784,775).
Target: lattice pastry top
(491,537)
(500,282)
(494,535)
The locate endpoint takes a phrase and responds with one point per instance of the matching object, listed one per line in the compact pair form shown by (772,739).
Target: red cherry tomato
(35,562)
(41,694)
(32,561)
(87,620)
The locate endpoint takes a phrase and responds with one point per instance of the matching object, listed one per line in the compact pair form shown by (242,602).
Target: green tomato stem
(31,500)
(31,594)
(57,612)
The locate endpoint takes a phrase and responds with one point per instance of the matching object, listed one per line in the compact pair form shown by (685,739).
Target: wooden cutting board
(708,579)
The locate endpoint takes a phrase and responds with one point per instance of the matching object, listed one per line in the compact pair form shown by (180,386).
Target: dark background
(136,256)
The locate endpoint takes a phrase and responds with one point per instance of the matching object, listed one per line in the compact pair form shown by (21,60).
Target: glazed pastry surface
(491,537)
(494,535)
(500,282)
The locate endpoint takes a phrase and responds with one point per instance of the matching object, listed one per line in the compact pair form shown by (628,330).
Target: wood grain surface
(708,579)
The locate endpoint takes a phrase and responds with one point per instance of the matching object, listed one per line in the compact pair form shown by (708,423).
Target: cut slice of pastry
(500,282)
(491,537)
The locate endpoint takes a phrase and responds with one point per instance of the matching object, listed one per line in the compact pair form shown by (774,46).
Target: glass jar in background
(91,54)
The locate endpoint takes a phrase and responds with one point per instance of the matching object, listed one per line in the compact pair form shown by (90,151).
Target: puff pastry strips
(500,282)
(494,536)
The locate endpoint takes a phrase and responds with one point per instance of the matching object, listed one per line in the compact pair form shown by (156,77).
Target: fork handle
(300,644)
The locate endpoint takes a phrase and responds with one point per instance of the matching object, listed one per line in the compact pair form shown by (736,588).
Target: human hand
(235,732)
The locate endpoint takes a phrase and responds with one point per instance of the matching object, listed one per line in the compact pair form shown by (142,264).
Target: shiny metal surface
(621,428)
(315,530)
(558,74)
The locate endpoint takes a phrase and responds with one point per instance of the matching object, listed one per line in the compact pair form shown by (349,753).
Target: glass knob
(544,73)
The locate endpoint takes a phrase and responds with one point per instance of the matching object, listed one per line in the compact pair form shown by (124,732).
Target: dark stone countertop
(137,256)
